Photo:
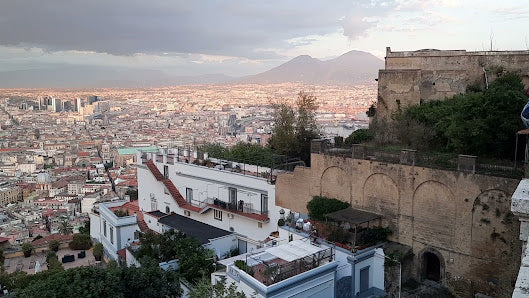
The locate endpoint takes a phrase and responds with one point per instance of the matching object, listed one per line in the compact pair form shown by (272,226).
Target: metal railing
(436,160)
(240,206)
(272,273)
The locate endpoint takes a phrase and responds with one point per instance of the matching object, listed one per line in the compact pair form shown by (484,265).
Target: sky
(239,38)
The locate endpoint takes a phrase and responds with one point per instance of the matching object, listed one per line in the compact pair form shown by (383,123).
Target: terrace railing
(436,160)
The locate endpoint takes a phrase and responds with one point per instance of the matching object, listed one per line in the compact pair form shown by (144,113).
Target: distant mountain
(351,67)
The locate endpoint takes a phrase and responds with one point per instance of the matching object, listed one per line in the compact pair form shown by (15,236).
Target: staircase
(182,203)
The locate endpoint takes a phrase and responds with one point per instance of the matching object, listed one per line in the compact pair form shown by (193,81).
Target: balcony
(240,208)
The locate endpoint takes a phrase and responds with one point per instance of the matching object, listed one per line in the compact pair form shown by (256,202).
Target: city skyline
(244,38)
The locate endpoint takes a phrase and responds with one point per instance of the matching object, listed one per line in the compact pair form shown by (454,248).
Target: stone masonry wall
(410,78)
(465,218)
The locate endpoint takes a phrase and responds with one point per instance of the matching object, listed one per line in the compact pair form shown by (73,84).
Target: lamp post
(400,270)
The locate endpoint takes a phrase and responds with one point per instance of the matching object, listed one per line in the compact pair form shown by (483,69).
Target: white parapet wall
(520,208)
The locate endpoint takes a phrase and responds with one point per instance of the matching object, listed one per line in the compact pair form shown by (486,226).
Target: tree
(294,130)
(54,245)
(132,193)
(482,123)
(319,206)
(359,136)
(2,259)
(86,228)
(147,281)
(98,251)
(205,289)
(194,260)
(65,228)
(27,248)
(81,242)
(53,262)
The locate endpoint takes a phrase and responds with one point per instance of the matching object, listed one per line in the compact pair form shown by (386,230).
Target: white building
(244,204)
(113,231)
(305,268)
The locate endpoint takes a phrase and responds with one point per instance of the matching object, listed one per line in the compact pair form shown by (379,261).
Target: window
(112,235)
(233,196)
(104,228)
(260,225)
(167,210)
(364,279)
(264,204)
(189,194)
(217,214)
(166,172)
(136,235)
(154,205)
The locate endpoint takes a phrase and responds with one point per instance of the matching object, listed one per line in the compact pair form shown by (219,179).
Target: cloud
(124,27)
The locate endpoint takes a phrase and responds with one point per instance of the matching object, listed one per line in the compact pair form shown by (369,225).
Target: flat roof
(203,232)
(293,250)
(353,216)
(133,150)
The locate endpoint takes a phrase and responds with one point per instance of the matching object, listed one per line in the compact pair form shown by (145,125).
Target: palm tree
(65,228)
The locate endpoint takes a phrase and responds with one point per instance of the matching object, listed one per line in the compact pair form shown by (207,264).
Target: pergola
(355,218)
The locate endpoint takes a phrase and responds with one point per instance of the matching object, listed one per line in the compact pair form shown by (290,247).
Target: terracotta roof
(83,154)
(123,253)
(47,239)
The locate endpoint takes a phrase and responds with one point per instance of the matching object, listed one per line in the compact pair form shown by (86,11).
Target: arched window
(167,210)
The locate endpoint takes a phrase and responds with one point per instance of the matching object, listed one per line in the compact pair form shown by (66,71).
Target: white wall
(122,229)
(376,270)
(222,245)
(209,182)
(95,226)
(152,223)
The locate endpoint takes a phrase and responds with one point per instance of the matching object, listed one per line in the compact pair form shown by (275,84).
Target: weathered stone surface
(412,77)
(462,216)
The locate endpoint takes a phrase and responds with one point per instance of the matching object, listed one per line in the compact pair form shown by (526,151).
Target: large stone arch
(336,183)
(380,194)
(434,213)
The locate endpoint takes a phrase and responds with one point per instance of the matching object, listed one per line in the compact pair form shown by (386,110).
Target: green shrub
(98,251)
(53,262)
(27,248)
(81,242)
(281,222)
(319,206)
(54,245)
(244,267)
(359,136)
(375,235)
(478,123)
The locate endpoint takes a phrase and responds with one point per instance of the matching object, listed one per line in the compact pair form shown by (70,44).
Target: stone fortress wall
(413,77)
(462,218)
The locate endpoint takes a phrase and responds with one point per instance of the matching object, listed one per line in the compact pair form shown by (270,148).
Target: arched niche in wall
(380,195)
(434,212)
(335,183)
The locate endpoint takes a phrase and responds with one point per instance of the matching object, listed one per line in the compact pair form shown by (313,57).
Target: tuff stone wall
(413,77)
(464,218)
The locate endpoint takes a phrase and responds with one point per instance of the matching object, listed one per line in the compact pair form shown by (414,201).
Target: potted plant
(54,245)
(27,248)
(98,251)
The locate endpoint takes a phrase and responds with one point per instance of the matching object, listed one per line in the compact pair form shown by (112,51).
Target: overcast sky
(244,37)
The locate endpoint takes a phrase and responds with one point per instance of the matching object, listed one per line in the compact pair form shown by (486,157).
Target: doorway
(431,267)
